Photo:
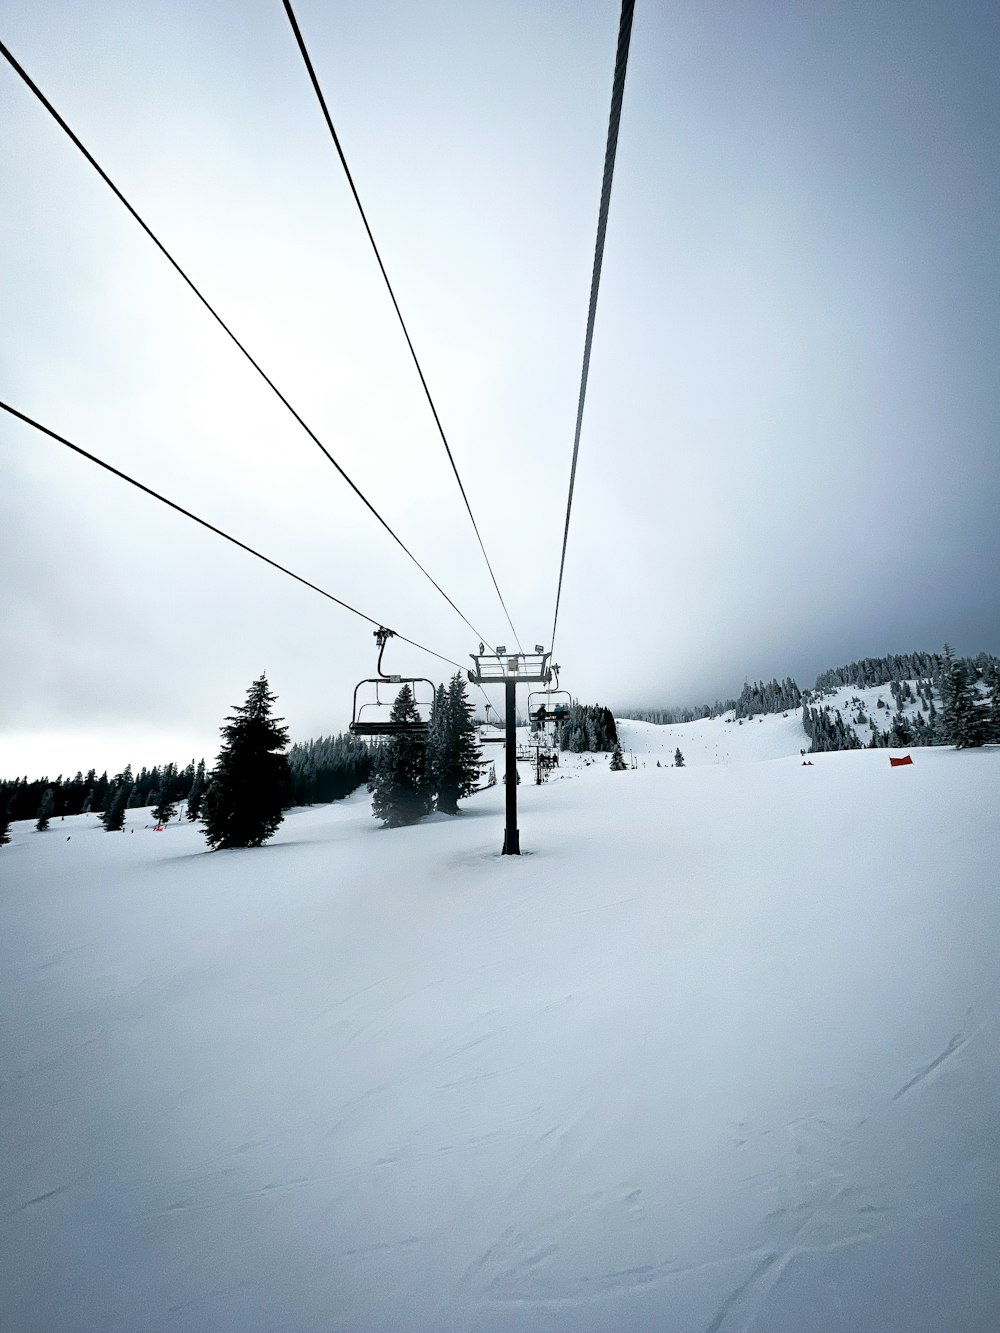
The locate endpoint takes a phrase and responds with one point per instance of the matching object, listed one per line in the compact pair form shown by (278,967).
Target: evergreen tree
(453,752)
(164,808)
(4,824)
(400,783)
(992,678)
(588,727)
(437,736)
(962,718)
(197,791)
(900,734)
(45,810)
(678,758)
(243,804)
(618,764)
(113,818)
(101,793)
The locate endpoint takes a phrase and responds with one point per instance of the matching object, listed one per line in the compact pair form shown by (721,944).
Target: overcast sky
(789,454)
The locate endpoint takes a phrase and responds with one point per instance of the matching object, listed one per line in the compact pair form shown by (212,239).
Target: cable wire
(18,69)
(611,148)
(124,476)
(392,296)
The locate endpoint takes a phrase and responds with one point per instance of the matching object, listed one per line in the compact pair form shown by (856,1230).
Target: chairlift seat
(363,728)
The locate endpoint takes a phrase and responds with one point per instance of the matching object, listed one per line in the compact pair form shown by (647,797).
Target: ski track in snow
(956,1044)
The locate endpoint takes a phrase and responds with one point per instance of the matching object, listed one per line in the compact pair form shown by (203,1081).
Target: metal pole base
(511,842)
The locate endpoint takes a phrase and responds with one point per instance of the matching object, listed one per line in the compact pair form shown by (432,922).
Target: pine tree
(101,793)
(243,804)
(453,753)
(962,718)
(400,783)
(164,808)
(197,793)
(437,736)
(4,824)
(45,810)
(113,818)
(618,764)
(678,758)
(900,735)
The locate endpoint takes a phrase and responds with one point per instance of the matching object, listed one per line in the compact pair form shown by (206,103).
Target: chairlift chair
(551,707)
(384,726)
(499,738)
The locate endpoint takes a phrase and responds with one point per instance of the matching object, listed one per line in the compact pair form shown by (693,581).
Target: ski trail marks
(39,1198)
(957,1043)
(736,1295)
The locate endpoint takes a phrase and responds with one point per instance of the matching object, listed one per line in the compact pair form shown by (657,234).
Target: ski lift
(497,738)
(553,704)
(377,722)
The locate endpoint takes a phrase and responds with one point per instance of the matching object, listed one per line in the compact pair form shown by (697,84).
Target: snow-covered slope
(717,740)
(727,739)
(875,706)
(715,1054)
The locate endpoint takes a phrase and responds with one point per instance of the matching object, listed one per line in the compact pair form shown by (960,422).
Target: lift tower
(510,670)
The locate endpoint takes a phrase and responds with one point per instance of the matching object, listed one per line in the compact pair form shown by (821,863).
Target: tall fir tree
(437,735)
(164,808)
(4,824)
(113,818)
(678,758)
(962,719)
(453,751)
(196,794)
(400,783)
(101,794)
(45,811)
(244,803)
(618,764)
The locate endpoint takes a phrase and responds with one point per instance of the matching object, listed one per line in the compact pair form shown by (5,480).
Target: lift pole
(498,667)
(511,836)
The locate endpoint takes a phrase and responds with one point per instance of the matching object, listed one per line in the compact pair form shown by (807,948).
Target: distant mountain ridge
(849,708)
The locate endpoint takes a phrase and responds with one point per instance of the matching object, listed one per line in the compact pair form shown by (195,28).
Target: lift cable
(222,324)
(618,88)
(392,296)
(124,476)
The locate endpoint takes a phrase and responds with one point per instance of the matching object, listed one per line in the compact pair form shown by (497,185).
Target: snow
(718,1053)
(718,740)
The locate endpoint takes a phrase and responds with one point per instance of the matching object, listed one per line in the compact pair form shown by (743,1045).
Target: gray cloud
(788,456)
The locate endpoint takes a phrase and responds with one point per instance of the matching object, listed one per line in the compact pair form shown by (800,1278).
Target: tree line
(668,717)
(315,771)
(966,714)
(588,727)
(873,671)
(768,697)
(328,769)
(22,798)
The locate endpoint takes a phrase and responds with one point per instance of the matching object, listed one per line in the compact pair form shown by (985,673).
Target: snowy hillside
(715,1054)
(717,740)
(727,739)
(863,709)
